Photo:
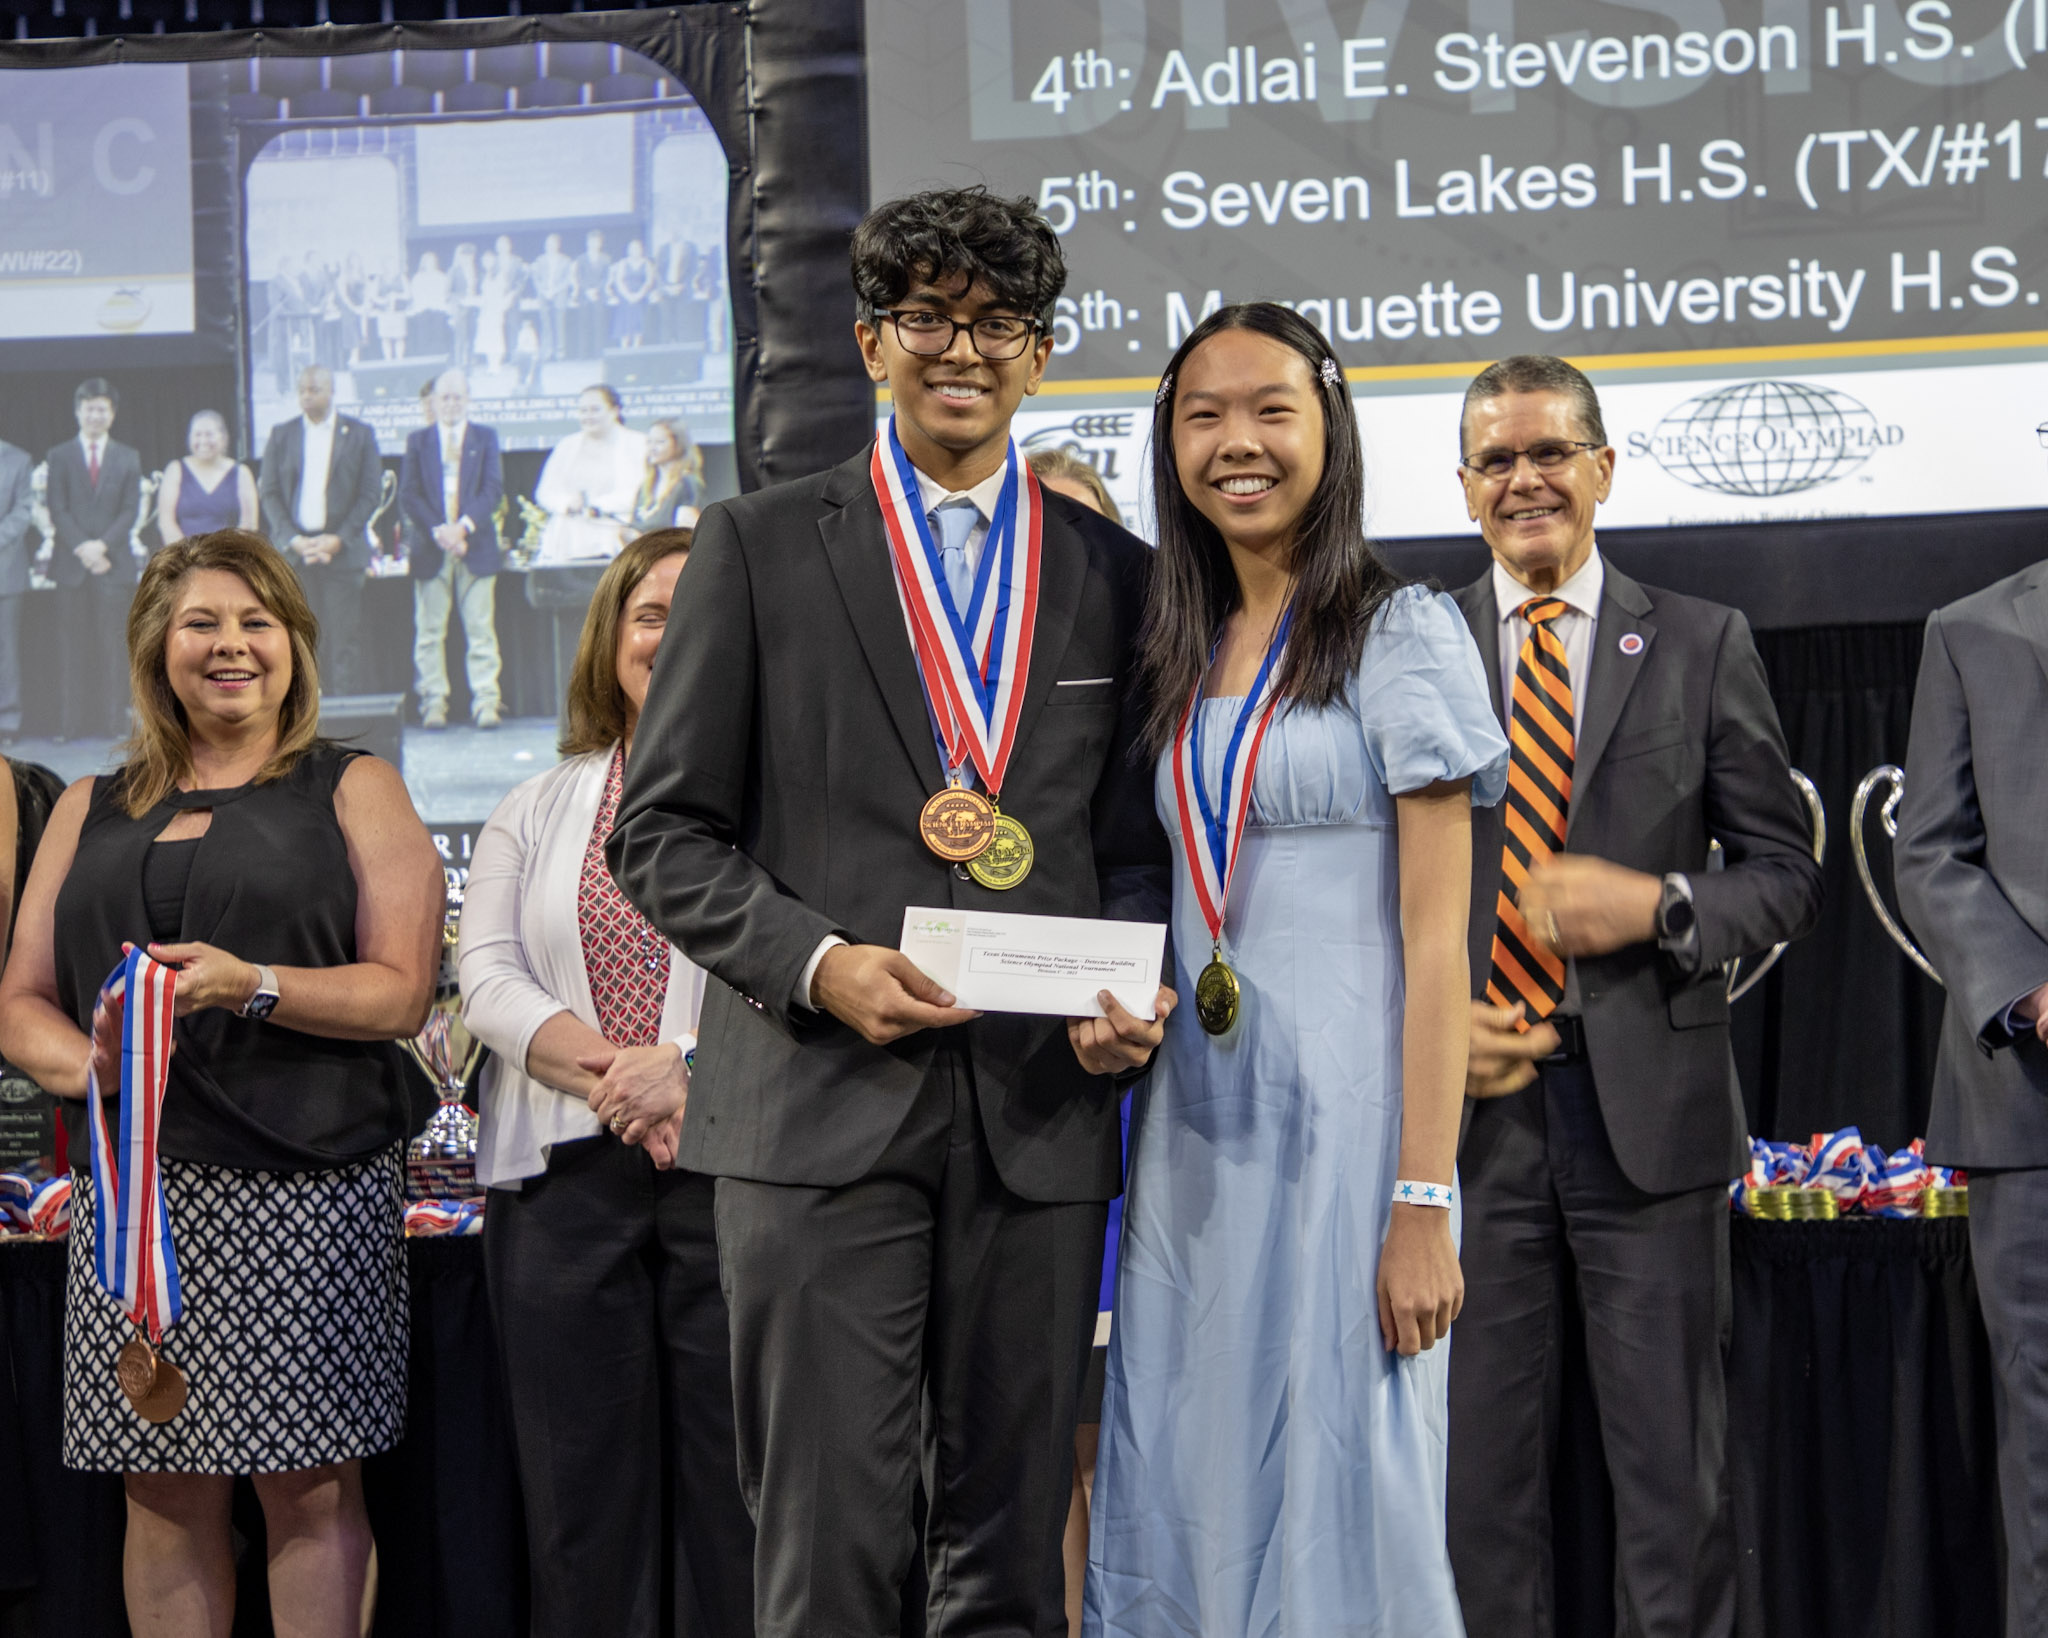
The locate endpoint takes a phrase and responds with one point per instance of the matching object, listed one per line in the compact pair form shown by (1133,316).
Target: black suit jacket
(1972,866)
(420,498)
(355,477)
(1680,746)
(81,510)
(773,796)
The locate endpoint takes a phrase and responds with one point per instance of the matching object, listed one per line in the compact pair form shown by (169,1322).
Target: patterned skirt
(294,1335)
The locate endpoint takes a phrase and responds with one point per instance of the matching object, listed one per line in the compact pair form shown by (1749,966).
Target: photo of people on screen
(571,266)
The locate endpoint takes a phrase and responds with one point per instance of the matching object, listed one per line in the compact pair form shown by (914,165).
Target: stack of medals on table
(1837,1174)
(440,1164)
(1792,1203)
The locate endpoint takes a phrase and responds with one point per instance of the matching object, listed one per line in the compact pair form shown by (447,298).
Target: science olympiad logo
(1097,439)
(1763,438)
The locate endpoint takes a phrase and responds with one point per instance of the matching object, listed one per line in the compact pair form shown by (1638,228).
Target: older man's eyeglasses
(997,338)
(1546,457)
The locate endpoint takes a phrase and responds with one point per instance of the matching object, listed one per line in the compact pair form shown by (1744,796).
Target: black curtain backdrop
(1843,1031)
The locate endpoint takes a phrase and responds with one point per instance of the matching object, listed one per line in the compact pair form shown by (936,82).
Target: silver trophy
(1894,779)
(1740,983)
(440,1164)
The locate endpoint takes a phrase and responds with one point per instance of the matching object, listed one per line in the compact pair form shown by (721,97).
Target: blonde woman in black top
(295,891)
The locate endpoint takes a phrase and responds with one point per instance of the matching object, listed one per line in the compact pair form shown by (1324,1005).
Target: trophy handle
(1894,779)
(1739,982)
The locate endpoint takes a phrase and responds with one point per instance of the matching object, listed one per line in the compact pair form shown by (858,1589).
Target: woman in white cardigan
(601,1258)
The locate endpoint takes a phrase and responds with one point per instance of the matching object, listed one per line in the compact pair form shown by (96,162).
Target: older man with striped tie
(1605,1119)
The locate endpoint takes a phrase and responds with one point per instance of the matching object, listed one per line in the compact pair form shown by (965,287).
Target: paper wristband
(1423,1194)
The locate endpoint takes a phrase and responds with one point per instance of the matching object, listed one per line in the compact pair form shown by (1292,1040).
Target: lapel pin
(1632,644)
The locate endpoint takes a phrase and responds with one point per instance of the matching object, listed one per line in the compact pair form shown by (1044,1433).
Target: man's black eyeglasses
(922,331)
(1544,457)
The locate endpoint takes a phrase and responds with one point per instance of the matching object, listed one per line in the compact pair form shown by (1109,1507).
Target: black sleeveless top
(269,882)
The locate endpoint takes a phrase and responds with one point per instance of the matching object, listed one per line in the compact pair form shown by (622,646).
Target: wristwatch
(1676,917)
(264,1001)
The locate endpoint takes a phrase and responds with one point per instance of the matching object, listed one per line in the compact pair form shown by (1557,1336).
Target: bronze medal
(1008,858)
(167,1398)
(1216,997)
(153,1385)
(135,1369)
(958,824)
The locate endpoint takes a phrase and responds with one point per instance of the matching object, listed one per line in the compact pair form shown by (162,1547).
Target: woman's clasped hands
(640,1095)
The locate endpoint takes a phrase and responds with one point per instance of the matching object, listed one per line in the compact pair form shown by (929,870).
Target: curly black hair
(936,236)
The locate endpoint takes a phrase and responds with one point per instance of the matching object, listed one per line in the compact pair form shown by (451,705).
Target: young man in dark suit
(94,496)
(1972,870)
(1606,1119)
(318,514)
(911,1197)
(448,491)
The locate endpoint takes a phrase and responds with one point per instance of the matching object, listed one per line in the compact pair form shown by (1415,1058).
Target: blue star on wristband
(1409,1193)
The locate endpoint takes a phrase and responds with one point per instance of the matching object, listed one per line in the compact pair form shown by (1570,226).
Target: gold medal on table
(153,1385)
(958,824)
(1217,995)
(1008,858)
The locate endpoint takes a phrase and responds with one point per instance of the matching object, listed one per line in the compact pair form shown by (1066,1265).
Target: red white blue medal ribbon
(132,1250)
(1212,846)
(974,662)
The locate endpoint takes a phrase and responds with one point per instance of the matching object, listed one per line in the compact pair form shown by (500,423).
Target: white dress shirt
(1575,628)
(317,457)
(932,495)
(521,961)
(451,469)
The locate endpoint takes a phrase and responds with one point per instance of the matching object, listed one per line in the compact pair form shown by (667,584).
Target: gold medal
(1216,996)
(153,1385)
(1008,857)
(958,824)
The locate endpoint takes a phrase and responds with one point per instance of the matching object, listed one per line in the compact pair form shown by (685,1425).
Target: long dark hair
(1340,582)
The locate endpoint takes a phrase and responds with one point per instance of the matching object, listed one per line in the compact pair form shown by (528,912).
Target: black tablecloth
(1862,1450)
(1861,1454)
(444,1504)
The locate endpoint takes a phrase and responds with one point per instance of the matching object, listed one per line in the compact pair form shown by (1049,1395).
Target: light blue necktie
(955,520)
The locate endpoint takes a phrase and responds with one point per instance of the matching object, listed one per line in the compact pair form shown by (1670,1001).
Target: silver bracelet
(1407,1193)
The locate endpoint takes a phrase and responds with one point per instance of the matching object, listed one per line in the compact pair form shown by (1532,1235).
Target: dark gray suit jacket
(773,796)
(354,477)
(1680,745)
(1972,864)
(81,510)
(17,498)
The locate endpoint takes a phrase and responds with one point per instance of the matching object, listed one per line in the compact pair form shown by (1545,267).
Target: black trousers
(336,595)
(92,623)
(1542,1186)
(604,1281)
(923,1321)
(2007,1214)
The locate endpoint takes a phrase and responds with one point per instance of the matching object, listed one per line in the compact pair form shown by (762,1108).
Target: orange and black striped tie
(1538,802)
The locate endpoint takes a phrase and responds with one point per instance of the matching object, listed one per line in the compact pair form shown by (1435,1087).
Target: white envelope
(996,962)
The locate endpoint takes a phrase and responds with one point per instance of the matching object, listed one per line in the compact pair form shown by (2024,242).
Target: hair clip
(1332,376)
(1165,389)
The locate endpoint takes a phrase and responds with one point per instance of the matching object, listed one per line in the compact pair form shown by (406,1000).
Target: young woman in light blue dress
(1272,1457)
